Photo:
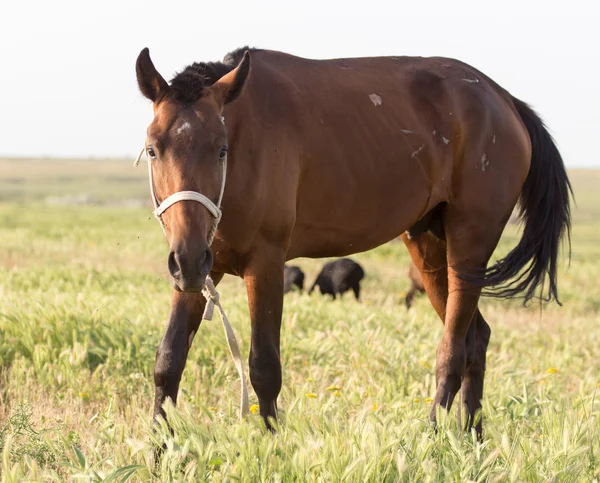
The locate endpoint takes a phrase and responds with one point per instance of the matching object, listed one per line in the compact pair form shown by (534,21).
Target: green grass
(84,295)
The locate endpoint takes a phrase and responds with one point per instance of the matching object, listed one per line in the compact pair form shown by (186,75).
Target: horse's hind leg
(429,255)
(410,297)
(478,337)
(471,239)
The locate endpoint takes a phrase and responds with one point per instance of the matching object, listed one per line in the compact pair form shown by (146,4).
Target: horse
(416,287)
(294,157)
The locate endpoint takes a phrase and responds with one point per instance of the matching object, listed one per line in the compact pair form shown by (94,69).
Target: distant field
(84,295)
(71,181)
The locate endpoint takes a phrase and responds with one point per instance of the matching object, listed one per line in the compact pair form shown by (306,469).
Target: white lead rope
(209,291)
(212,298)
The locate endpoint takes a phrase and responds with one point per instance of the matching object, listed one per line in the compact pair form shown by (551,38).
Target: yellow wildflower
(552,370)
(337,393)
(254,408)
(333,388)
(212,408)
(311,395)
(429,400)
(84,395)
(374,407)
(417,400)
(310,379)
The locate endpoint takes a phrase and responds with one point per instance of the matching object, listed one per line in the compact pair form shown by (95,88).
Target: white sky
(67,68)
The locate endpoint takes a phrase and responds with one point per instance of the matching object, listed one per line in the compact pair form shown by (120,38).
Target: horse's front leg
(171,355)
(264,282)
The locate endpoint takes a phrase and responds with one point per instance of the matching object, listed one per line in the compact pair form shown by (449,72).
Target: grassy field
(84,295)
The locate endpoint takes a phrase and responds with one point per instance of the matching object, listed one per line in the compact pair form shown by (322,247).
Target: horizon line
(131,158)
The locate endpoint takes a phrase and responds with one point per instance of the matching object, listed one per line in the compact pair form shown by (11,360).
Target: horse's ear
(150,82)
(228,87)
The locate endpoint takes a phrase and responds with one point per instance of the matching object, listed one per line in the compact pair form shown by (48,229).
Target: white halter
(213,209)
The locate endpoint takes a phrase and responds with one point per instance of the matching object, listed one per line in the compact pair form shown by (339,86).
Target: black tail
(546,213)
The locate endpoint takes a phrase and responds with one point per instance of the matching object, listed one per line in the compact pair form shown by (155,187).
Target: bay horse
(327,158)
(416,287)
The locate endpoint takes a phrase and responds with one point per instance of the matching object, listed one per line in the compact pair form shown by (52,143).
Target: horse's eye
(222,154)
(151,153)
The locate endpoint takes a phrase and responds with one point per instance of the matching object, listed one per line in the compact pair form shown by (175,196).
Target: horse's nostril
(174,267)
(204,262)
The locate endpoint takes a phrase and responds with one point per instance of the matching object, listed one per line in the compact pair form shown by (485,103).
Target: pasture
(84,296)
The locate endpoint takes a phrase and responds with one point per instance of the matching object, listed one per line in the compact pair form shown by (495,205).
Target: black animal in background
(292,277)
(338,277)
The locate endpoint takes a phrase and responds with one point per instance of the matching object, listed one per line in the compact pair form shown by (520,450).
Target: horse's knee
(265,372)
(167,367)
(167,376)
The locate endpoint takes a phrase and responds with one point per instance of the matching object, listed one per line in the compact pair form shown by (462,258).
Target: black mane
(188,85)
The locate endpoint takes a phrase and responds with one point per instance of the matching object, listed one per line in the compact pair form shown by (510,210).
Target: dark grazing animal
(293,276)
(338,277)
(325,158)
(417,286)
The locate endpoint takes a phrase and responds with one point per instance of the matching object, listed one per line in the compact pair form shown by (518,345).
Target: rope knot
(212,298)
(210,290)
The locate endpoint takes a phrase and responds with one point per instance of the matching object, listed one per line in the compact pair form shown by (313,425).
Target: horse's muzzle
(189,271)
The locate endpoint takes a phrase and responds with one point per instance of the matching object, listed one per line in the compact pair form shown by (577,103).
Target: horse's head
(186,147)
